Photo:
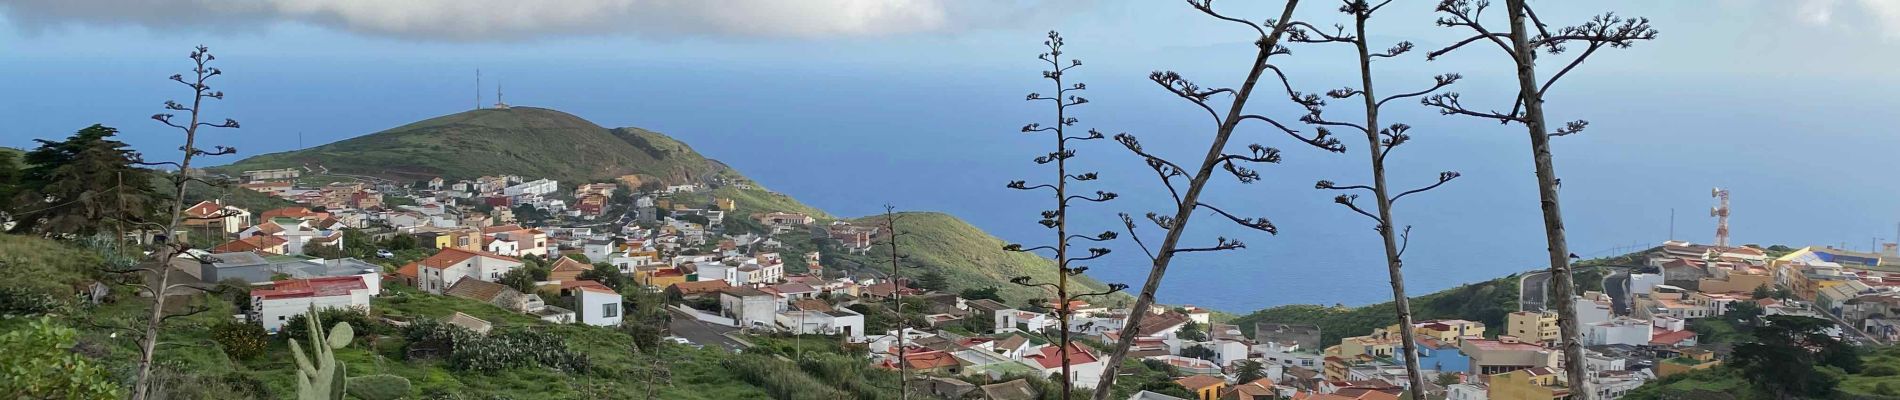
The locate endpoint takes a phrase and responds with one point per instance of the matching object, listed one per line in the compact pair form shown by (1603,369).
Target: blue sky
(1780,101)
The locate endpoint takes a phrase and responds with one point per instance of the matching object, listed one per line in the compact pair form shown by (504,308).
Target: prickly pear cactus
(322,380)
(379,387)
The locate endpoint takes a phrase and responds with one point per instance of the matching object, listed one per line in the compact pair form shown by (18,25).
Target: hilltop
(524,141)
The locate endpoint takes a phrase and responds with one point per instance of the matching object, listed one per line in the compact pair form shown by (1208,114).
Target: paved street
(1616,285)
(1531,288)
(702,333)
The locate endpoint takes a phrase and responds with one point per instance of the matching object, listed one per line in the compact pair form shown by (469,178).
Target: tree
(1380,141)
(1761,292)
(9,182)
(1604,31)
(1187,199)
(84,185)
(1191,331)
(41,364)
(981,293)
(1250,370)
(167,251)
(240,340)
(519,279)
(1059,191)
(607,275)
(932,281)
(1783,357)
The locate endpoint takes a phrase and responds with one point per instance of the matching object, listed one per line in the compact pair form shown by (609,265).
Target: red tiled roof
(930,359)
(1670,338)
(590,286)
(253,243)
(451,256)
(700,287)
(409,270)
(315,287)
(203,209)
(1197,382)
(1046,356)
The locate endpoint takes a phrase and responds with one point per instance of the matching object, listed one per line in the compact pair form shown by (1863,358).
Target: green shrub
(1881,370)
(379,387)
(22,302)
(36,361)
(240,340)
(362,323)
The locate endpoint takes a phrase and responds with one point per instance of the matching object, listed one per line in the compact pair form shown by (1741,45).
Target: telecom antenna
(501,105)
(478,88)
(1720,212)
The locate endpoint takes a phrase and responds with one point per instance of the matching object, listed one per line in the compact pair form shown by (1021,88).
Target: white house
(504,246)
(595,303)
(1019,320)
(840,322)
(436,273)
(538,187)
(598,250)
(749,307)
(1624,330)
(286,298)
(1084,363)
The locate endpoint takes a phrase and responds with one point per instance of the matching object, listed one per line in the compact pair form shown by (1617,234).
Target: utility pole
(897,296)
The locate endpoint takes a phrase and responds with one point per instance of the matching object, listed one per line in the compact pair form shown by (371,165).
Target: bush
(379,387)
(1881,370)
(38,363)
(21,302)
(240,340)
(359,321)
(498,351)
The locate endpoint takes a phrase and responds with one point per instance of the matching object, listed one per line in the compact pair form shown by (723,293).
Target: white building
(595,304)
(1019,320)
(1625,330)
(1592,307)
(286,298)
(1086,365)
(1641,284)
(749,307)
(1467,391)
(842,322)
(538,187)
(436,273)
(598,250)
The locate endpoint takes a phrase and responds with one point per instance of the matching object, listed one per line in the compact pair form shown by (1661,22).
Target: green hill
(537,142)
(526,141)
(1487,302)
(969,257)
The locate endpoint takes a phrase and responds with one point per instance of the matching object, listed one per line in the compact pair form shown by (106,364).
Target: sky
(852,104)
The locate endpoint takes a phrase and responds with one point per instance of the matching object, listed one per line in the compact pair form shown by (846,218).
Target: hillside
(526,141)
(969,257)
(1488,302)
(537,142)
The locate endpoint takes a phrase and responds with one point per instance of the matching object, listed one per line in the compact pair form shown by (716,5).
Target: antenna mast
(478,88)
(1720,212)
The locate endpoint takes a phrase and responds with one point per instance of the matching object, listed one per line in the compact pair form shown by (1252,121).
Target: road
(1531,288)
(702,333)
(1617,285)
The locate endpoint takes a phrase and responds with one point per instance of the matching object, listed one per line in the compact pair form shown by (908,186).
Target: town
(724,289)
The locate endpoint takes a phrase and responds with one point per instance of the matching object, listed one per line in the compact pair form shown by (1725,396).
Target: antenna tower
(1720,212)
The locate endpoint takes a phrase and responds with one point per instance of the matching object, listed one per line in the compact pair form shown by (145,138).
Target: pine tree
(79,186)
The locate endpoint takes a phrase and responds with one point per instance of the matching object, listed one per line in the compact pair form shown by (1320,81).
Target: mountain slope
(536,142)
(526,141)
(969,257)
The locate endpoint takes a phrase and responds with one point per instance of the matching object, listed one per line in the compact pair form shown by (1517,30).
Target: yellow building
(1446,330)
(658,276)
(726,204)
(1526,325)
(1690,360)
(1205,387)
(1528,384)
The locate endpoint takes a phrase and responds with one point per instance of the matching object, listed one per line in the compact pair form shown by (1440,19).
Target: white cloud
(470,20)
(1879,16)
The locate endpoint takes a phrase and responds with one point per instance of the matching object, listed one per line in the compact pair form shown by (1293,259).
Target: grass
(969,257)
(1488,302)
(526,141)
(195,367)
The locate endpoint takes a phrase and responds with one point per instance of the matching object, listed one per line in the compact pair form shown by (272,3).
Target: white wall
(592,308)
(272,314)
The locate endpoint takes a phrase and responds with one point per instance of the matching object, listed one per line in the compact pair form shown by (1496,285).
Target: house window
(610,310)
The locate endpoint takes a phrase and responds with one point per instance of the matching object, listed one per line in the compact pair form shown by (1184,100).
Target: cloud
(482,20)
(1879,16)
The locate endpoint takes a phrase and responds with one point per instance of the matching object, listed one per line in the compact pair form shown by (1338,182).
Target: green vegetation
(1784,357)
(966,257)
(525,141)
(39,362)
(1486,302)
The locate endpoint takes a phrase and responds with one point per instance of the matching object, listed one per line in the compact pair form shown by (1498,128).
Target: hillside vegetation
(968,257)
(192,365)
(525,141)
